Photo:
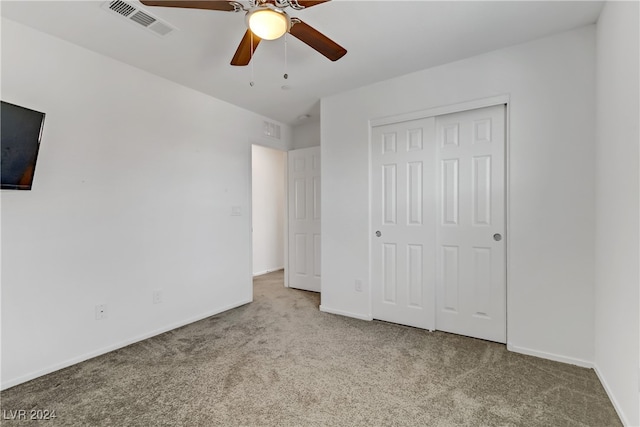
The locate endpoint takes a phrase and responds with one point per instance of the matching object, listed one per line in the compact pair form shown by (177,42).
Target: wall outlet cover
(157,296)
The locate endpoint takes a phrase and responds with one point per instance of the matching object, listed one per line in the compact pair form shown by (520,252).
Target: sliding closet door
(471,249)
(438,254)
(403,221)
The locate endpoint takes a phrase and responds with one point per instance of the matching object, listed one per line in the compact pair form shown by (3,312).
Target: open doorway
(268,193)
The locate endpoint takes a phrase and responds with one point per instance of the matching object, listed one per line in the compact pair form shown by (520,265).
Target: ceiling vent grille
(271,129)
(121,7)
(141,18)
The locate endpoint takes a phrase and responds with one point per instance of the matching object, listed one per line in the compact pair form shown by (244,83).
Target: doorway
(268,200)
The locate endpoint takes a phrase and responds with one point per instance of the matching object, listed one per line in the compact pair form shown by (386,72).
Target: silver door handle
(378,234)
(497,237)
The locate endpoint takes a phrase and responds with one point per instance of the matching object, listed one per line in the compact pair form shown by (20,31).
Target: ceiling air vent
(271,129)
(141,18)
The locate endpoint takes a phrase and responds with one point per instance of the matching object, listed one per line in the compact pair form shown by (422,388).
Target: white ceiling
(383,39)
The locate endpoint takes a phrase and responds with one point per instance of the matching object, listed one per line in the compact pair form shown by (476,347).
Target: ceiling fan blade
(192,4)
(309,3)
(244,53)
(317,40)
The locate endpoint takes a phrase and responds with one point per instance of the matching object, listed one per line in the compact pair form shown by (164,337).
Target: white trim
(251,210)
(56,367)
(326,309)
(549,356)
(507,213)
(263,272)
(439,111)
(612,398)
(369,287)
(285,226)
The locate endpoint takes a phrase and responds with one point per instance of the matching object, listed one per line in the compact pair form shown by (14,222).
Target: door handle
(497,237)
(378,233)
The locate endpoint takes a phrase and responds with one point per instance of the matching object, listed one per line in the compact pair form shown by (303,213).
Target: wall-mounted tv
(20,133)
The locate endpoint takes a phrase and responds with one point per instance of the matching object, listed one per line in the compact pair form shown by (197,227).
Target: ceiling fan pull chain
(286,76)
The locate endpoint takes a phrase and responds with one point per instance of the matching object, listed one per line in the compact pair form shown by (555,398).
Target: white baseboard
(260,273)
(550,356)
(56,367)
(616,405)
(325,309)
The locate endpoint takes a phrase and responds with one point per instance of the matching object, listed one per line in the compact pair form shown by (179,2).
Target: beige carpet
(280,362)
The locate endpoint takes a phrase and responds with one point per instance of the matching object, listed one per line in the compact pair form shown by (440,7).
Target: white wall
(306,134)
(617,333)
(268,196)
(551,84)
(133,191)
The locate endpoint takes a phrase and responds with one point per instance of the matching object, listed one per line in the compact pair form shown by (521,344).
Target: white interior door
(471,253)
(304,218)
(403,220)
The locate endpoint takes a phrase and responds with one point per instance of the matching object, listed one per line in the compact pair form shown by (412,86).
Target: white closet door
(304,218)
(403,221)
(471,249)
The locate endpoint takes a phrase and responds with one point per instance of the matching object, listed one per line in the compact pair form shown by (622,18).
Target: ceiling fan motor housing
(275,23)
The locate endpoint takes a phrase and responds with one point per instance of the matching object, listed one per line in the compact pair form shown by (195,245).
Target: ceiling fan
(266,20)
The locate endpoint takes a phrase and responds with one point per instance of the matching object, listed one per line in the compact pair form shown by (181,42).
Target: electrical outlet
(358,285)
(157,296)
(101,311)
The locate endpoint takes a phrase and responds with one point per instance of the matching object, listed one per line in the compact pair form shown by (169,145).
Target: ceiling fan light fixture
(268,23)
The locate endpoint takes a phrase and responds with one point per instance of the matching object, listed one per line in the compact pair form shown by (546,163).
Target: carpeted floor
(280,362)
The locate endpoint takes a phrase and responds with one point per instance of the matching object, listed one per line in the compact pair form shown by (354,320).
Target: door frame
(439,111)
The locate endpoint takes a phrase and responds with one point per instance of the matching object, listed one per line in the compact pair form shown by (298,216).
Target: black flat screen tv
(20,133)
